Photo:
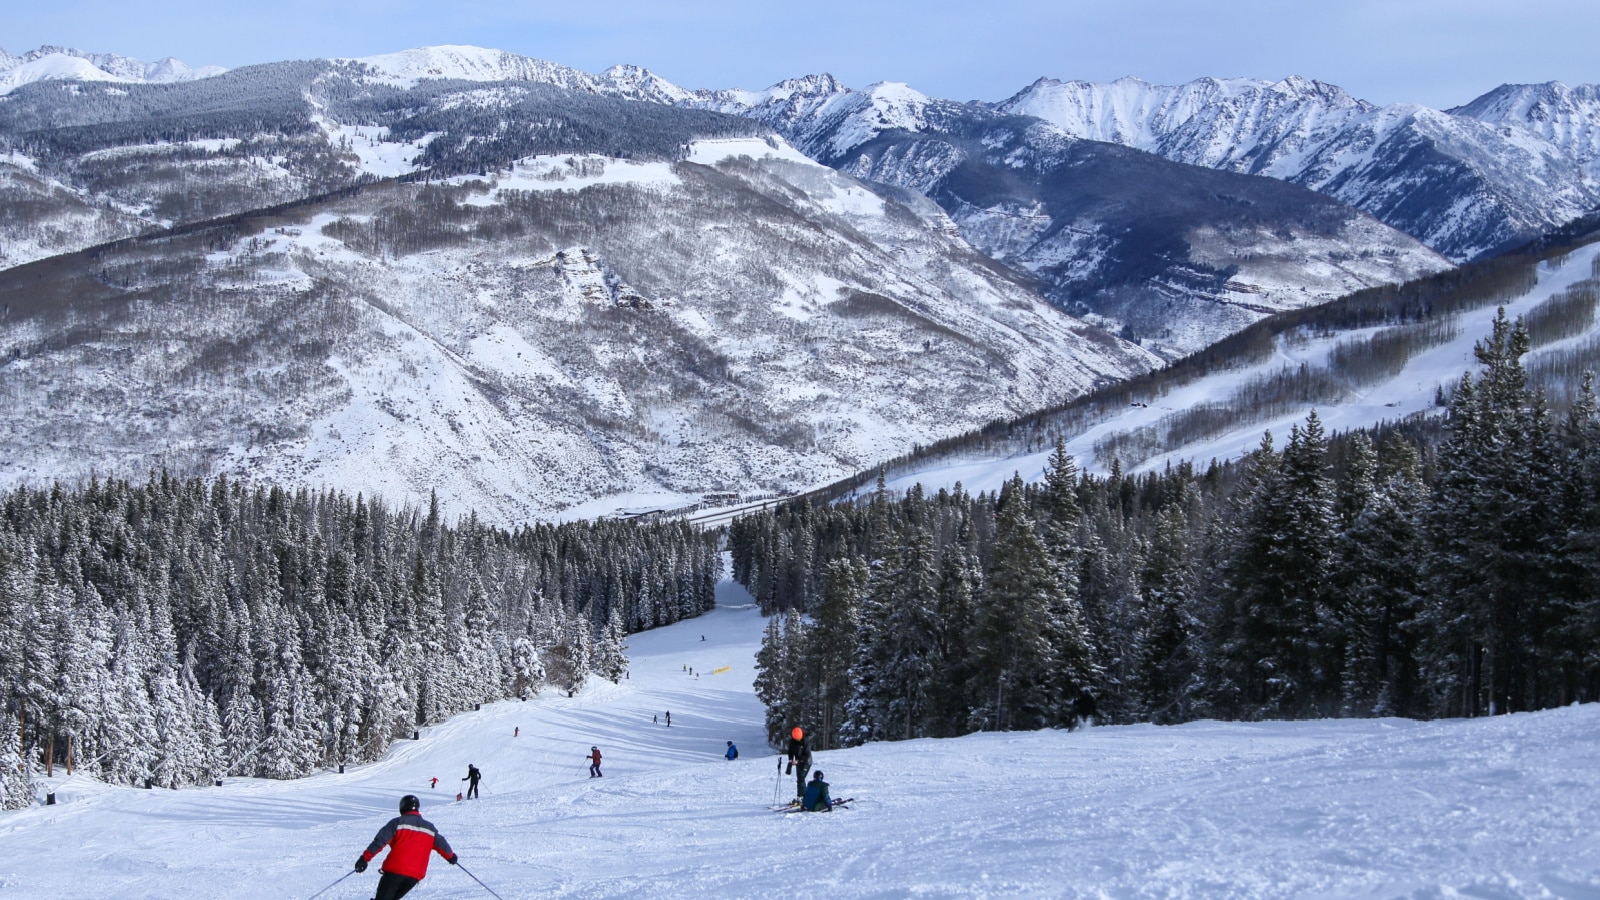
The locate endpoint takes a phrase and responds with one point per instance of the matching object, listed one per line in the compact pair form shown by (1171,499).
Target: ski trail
(1382,808)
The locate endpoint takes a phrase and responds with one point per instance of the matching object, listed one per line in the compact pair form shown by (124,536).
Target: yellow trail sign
(721,670)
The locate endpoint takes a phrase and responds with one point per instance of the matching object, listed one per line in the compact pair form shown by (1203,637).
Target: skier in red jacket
(594,762)
(411,840)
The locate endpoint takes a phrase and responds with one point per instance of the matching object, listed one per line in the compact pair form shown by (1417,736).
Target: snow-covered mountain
(565,328)
(1568,117)
(1176,255)
(1170,254)
(1465,182)
(67,64)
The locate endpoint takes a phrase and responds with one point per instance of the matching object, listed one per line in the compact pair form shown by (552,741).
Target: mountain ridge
(51,62)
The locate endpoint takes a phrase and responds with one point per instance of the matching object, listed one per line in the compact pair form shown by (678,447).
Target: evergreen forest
(180,631)
(1426,569)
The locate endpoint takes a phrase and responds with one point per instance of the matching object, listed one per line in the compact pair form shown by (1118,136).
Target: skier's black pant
(800,773)
(472,790)
(393,887)
(594,770)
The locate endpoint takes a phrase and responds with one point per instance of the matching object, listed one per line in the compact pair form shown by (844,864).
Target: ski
(795,807)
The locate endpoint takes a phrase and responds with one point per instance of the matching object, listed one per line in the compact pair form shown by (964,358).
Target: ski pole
(480,883)
(330,887)
(778,780)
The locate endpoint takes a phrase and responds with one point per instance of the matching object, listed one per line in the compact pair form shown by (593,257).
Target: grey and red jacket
(411,839)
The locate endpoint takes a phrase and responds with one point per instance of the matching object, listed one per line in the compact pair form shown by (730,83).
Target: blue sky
(1437,52)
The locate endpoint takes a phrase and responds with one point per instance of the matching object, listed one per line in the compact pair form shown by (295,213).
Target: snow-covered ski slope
(1366,808)
(1413,390)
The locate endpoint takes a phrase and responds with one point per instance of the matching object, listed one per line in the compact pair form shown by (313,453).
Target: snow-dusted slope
(568,329)
(1380,807)
(65,63)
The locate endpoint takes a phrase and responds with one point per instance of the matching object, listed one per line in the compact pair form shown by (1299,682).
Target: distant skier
(799,759)
(1084,709)
(472,781)
(517,731)
(655,719)
(411,840)
(669,718)
(733,752)
(594,763)
(702,638)
(433,783)
(816,797)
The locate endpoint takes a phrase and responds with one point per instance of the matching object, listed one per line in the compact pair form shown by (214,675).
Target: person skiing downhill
(733,752)
(411,840)
(594,763)
(472,781)
(799,760)
(816,797)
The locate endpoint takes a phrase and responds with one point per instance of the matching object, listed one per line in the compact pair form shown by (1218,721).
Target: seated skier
(816,797)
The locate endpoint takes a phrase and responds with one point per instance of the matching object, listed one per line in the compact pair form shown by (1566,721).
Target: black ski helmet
(730,743)
(409,803)
(817,776)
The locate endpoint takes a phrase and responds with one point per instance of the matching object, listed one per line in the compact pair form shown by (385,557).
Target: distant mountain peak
(52,63)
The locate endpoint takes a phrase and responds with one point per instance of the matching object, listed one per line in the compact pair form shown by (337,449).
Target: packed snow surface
(1497,807)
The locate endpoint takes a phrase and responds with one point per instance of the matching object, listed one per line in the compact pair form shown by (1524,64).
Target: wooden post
(50,756)
(69,756)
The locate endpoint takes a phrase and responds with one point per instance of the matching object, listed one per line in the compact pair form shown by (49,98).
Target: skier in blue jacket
(733,752)
(816,798)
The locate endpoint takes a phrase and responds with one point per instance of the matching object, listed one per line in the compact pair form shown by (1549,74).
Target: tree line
(1448,571)
(177,631)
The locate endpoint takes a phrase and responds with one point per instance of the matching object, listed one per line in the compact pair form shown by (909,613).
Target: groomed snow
(1370,808)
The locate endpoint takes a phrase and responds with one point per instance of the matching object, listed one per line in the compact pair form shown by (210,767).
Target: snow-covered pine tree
(16,788)
(906,651)
(1381,585)
(1166,661)
(1491,567)
(834,637)
(1015,665)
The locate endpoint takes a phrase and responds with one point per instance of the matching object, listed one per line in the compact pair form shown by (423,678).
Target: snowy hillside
(1378,807)
(567,329)
(1169,426)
